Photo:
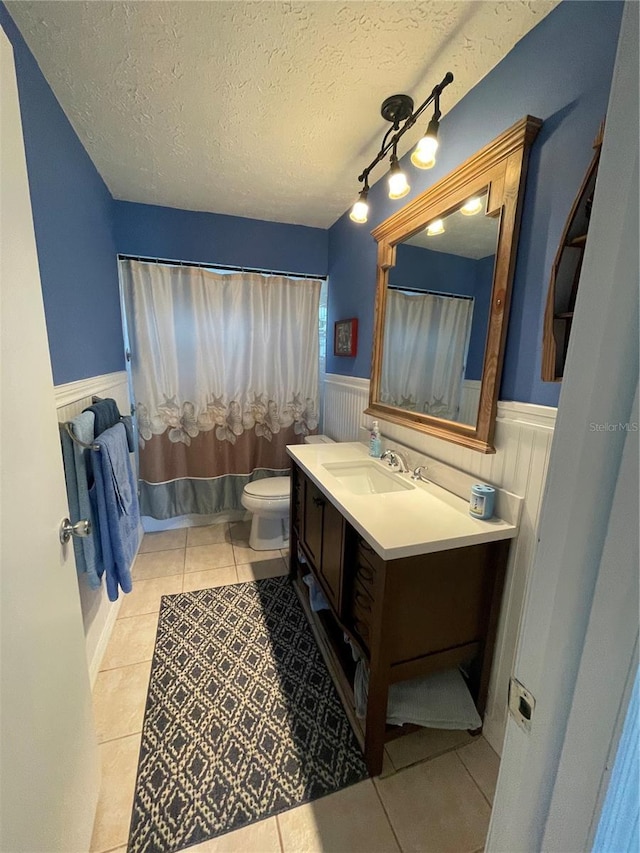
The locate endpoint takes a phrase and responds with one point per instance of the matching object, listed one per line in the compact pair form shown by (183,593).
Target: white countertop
(422,520)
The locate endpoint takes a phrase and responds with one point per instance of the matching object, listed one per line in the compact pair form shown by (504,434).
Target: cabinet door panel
(314,504)
(332,550)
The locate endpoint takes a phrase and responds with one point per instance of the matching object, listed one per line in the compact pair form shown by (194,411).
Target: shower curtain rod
(428,292)
(173,263)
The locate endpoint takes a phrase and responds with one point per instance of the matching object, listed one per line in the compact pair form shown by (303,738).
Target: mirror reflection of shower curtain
(426,338)
(225,375)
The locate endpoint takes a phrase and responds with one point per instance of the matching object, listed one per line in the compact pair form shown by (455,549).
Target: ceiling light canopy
(398,109)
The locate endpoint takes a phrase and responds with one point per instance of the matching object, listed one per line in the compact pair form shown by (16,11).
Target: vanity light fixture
(398,185)
(473,206)
(424,154)
(434,228)
(360,209)
(398,109)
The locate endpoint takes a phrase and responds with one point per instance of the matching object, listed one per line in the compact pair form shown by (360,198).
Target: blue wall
(72,215)
(185,235)
(560,72)
(446,273)
(79,230)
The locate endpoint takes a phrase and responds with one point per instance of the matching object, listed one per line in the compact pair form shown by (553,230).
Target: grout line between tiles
(119,737)
(426,758)
(160,551)
(122,666)
(386,814)
(130,663)
(137,615)
(470,774)
(145,612)
(280,841)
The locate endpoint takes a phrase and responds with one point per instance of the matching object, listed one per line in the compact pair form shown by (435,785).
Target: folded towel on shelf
(79,478)
(118,510)
(106,414)
(438,701)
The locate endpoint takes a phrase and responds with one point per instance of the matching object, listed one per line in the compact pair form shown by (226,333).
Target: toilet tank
(318,439)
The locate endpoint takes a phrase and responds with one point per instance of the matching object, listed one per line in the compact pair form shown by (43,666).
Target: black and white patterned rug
(242,719)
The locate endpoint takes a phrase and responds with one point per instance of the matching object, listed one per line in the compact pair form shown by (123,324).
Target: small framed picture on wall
(345,337)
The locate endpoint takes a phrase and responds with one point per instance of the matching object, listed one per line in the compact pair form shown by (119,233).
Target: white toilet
(268,500)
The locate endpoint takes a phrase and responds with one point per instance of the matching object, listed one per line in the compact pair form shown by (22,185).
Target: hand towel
(88,550)
(128,425)
(106,414)
(119,530)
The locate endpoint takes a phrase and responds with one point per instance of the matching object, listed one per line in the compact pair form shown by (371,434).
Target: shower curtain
(426,339)
(225,375)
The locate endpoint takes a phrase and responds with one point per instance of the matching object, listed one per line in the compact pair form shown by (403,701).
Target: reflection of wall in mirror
(424,269)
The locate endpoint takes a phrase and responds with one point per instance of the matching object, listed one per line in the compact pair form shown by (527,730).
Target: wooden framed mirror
(445,267)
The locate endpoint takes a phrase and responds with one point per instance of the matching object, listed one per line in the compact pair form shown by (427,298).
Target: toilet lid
(269,487)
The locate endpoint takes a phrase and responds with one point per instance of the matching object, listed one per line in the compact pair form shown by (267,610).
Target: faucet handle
(417,473)
(391,456)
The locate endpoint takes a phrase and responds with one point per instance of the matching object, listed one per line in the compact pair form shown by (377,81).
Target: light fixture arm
(392,143)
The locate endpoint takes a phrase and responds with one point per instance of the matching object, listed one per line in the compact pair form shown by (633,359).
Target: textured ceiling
(261,109)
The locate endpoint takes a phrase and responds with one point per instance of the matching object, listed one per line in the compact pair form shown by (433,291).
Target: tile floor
(434,794)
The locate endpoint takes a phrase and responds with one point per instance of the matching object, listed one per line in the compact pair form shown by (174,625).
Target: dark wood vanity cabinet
(321,531)
(408,617)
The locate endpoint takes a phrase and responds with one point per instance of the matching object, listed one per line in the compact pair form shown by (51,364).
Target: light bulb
(359,211)
(473,206)
(424,154)
(436,227)
(398,186)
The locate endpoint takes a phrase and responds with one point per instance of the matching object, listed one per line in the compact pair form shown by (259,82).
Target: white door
(49,775)
(577,649)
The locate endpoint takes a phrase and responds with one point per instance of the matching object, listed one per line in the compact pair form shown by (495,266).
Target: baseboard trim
(109,622)
(101,645)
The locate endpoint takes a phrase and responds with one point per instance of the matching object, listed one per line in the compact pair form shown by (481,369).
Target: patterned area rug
(242,719)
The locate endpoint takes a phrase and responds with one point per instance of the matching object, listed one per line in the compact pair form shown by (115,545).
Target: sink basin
(367,478)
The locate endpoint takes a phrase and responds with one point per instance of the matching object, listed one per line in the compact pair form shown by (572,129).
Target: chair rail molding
(69,392)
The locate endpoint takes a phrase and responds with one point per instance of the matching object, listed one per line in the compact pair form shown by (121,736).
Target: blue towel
(88,550)
(119,529)
(128,425)
(106,414)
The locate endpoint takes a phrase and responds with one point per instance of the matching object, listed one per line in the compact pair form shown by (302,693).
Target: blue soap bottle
(375,442)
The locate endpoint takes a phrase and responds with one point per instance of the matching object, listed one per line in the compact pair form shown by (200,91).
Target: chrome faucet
(396,458)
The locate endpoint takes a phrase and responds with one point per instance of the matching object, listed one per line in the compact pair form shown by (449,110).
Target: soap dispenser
(375,442)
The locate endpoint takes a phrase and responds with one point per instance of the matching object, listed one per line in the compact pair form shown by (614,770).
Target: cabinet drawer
(361,604)
(364,551)
(365,576)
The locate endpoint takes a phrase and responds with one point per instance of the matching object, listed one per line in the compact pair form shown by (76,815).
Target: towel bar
(92,446)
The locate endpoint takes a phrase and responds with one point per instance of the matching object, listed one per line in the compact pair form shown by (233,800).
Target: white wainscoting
(345,398)
(98,613)
(523,440)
